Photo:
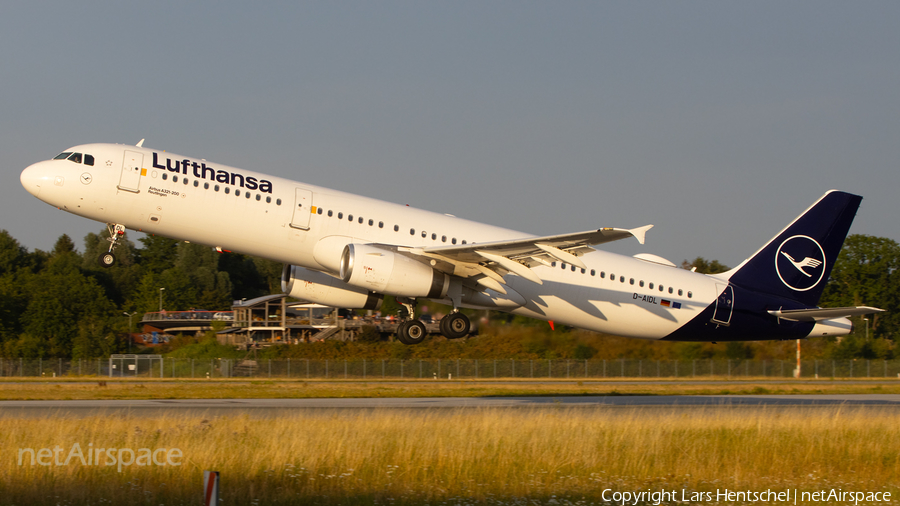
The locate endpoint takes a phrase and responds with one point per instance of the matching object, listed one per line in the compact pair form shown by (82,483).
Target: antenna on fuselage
(140,144)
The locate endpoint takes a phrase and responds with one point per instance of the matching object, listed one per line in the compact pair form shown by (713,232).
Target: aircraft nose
(32,178)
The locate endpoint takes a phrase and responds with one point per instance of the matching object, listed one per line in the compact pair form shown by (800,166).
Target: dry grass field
(549,455)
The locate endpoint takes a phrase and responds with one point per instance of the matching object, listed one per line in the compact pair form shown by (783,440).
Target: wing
(488,262)
(811,315)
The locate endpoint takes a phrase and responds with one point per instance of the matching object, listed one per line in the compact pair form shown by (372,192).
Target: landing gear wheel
(455,326)
(107,259)
(411,332)
(401,332)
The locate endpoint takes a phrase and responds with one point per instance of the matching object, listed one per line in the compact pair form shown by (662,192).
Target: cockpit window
(89,159)
(63,156)
(75,157)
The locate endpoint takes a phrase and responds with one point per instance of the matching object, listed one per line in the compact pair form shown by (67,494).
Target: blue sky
(718,122)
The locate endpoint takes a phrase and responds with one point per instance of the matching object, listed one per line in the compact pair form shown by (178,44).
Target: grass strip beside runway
(486,456)
(288,389)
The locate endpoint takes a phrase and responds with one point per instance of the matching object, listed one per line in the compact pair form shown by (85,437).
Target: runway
(282,407)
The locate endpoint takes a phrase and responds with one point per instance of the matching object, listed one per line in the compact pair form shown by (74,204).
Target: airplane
(349,251)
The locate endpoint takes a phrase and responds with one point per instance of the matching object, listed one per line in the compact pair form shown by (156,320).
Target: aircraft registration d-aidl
(348,251)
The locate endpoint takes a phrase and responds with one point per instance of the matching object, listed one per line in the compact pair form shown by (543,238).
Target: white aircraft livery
(349,251)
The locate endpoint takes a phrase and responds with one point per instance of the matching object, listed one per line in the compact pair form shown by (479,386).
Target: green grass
(243,389)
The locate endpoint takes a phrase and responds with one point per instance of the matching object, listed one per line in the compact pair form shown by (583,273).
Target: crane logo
(800,263)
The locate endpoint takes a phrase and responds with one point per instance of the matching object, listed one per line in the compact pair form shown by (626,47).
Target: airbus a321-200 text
(348,251)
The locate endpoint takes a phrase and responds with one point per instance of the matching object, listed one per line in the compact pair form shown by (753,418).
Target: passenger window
(621,279)
(318,211)
(89,159)
(330,213)
(631,281)
(660,288)
(612,277)
(396,228)
(602,275)
(237,193)
(258,197)
(174,179)
(680,292)
(185,181)
(641,284)
(670,289)
(360,220)
(582,271)
(340,216)
(371,222)
(380,224)
(63,156)
(563,266)
(349,217)
(247,194)
(165,176)
(651,286)
(443,238)
(268,200)
(75,157)
(206,186)
(593,272)
(412,231)
(215,188)
(278,202)
(690,295)
(552,264)
(227,190)
(464,241)
(196,183)
(433,237)
(453,241)
(573,268)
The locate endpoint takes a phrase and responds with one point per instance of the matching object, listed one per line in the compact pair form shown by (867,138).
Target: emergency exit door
(302,208)
(724,305)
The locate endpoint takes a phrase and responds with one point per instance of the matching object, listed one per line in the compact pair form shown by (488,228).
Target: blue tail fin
(797,262)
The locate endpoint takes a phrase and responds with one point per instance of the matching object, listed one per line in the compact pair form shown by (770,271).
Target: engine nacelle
(323,289)
(831,327)
(384,271)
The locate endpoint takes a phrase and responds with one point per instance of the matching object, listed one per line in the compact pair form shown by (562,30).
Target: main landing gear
(116,232)
(412,331)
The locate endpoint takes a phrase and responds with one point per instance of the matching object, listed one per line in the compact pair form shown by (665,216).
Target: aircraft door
(724,305)
(132,166)
(302,209)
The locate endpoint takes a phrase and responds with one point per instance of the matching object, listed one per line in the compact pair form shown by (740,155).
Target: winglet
(640,232)
(141,143)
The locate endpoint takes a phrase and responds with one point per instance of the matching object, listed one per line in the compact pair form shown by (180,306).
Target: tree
(865,274)
(158,253)
(122,279)
(704,266)
(63,302)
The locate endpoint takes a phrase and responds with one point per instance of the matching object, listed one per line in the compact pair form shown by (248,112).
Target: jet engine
(323,289)
(384,271)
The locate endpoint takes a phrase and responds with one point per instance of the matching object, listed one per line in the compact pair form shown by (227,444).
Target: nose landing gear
(116,232)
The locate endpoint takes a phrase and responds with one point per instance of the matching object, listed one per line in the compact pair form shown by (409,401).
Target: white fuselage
(300,224)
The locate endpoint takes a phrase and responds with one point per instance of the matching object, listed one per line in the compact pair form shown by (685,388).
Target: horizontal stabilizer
(812,315)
